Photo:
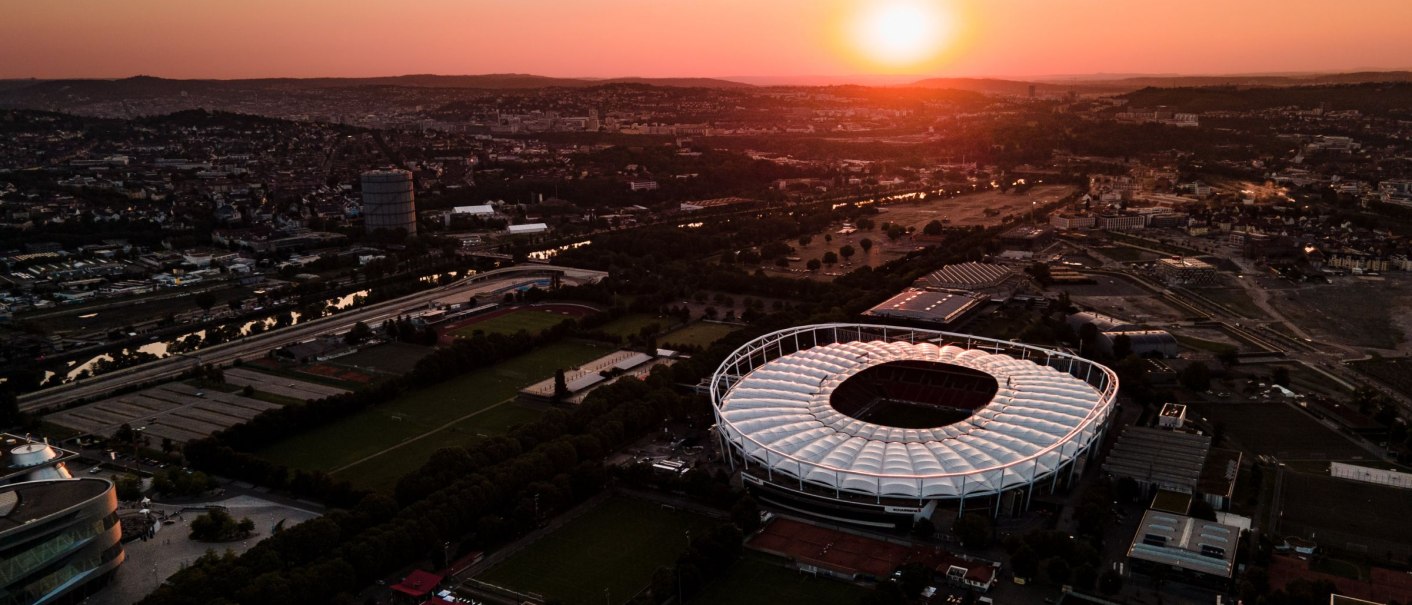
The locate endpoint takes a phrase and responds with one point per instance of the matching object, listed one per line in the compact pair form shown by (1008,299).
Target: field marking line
(419,437)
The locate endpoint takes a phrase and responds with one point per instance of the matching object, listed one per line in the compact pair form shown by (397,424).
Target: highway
(254,347)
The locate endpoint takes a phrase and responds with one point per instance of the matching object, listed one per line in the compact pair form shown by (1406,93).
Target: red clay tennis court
(828,548)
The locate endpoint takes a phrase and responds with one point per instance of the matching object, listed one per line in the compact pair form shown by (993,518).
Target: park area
(701,335)
(632,324)
(376,446)
(607,554)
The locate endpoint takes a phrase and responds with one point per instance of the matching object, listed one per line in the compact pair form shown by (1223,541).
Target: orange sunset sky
(719,38)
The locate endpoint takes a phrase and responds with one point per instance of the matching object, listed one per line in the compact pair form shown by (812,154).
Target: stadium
(879,425)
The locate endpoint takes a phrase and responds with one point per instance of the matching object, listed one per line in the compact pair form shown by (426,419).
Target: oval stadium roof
(780,415)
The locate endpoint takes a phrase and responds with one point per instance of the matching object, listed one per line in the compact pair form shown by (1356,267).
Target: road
(257,346)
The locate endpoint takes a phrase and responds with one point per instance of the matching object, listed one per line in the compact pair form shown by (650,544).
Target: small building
(482,210)
(527,229)
(1172,416)
(927,307)
(1028,237)
(1201,552)
(1186,271)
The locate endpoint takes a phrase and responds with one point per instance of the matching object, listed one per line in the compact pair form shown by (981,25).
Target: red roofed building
(418,584)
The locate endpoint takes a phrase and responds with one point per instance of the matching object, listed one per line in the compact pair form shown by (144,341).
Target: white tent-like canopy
(779,416)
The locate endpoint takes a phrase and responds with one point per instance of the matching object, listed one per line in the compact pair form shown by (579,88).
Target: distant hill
(149,84)
(1096,85)
(1374,98)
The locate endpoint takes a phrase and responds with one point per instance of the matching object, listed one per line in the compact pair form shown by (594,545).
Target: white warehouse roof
(780,415)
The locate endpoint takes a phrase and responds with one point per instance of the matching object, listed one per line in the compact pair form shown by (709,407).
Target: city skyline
(891,40)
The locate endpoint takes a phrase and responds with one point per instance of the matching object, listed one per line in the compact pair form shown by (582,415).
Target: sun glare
(901,33)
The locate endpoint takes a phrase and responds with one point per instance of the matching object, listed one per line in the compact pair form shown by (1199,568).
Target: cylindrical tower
(388,202)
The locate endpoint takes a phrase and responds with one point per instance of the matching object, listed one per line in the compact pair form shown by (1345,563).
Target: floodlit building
(1186,271)
(926,306)
(877,425)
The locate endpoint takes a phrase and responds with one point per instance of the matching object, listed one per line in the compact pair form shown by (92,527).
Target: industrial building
(878,425)
(388,201)
(939,309)
(1200,551)
(1173,458)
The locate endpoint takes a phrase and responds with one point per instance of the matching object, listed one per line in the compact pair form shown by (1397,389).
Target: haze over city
(690,302)
(726,38)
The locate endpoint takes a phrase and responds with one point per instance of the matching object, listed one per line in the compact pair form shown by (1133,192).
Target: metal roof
(780,415)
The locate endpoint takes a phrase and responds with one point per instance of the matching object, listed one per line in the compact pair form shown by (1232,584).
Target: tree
(781,262)
(1088,337)
(1280,376)
(357,334)
(805,239)
(1196,377)
(1110,583)
(866,244)
(830,258)
(813,264)
(561,385)
(9,409)
(746,514)
(846,252)
(129,488)
(1126,489)
(923,528)
(205,300)
(896,233)
(1201,509)
(972,530)
(1025,563)
(932,228)
(1056,571)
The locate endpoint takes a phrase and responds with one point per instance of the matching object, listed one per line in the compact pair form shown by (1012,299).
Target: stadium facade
(879,425)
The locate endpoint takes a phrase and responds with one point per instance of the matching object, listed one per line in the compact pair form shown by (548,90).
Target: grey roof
(1185,542)
(1169,459)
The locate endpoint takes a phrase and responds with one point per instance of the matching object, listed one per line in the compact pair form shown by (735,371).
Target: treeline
(492,490)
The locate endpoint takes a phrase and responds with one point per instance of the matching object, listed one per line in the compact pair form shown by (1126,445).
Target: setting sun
(901,33)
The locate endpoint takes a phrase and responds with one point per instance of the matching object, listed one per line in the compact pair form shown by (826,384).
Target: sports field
(700,334)
(632,324)
(532,321)
(1348,517)
(1277,429)
(616,547)
(758,579)
(452,412)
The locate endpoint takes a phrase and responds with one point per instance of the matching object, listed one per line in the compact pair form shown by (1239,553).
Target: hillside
(1392,98)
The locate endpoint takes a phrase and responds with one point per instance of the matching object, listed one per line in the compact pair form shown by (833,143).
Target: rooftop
(1187,543)
(23,503)
(1169,459)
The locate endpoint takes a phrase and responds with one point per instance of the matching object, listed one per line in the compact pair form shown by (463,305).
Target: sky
(697,38)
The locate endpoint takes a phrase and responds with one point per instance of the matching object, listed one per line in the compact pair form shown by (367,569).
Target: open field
(421,412)
(1274,428)
(1355,311)
(528,320)
(616,547)
(631,325)
(388,357)
(700,334)
(381,473)
(1395,373)
(758,579)
(1349,516)
(970,209)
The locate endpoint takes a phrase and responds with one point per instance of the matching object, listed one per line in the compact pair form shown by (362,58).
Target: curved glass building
(59,538)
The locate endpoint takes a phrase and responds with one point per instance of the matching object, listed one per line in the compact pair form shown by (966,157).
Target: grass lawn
(615,546)
(700,334)
(381,473)
(529,320)
(631,325)
(423,411)
(757,579)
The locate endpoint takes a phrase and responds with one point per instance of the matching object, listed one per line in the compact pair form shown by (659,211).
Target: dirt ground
(966,210)
(1362,311)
